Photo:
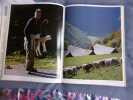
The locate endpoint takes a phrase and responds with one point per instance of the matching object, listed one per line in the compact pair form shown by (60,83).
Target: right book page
(94,45)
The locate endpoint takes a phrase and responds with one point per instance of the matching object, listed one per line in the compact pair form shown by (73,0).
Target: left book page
(30,42)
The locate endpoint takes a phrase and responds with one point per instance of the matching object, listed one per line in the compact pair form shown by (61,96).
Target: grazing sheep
(71,71)
(79,67)
(75,70)
(64,72)
(83,65)
(68,72)
(115,62)
(88,67)
(96,64)
(108,62)
(102,63)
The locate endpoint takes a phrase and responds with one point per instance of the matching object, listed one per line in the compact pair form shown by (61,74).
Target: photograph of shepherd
(93,43)
(34,30)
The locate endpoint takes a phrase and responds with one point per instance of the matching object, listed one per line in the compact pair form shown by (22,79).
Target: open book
(75,44)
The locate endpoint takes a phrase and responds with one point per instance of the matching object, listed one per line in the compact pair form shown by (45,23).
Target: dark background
(124,93)
(20,14)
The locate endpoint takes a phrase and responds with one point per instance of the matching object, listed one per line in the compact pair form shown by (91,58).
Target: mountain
(93,39)
(76,37)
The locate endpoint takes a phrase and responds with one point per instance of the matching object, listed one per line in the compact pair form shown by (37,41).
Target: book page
(30,42)
(94,45)
(3,19)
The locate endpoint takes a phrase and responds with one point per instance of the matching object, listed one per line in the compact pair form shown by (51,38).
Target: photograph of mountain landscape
(93,46)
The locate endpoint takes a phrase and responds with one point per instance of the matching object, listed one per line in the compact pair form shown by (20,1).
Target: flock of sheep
(71,71)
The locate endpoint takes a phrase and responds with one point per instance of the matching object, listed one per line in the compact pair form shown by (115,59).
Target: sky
(95,21)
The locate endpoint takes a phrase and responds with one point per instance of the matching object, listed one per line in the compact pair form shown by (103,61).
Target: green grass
(15,59)
(103,73)
(45,63)
(73,61)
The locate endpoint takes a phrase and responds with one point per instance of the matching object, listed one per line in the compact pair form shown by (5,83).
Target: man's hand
(45,21)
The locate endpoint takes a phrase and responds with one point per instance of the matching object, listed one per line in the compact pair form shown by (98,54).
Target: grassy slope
(103,73)
(70,61)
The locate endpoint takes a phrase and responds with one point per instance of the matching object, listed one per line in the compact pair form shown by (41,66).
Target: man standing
(32,27)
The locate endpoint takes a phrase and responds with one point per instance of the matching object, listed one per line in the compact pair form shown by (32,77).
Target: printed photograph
(32,40)
(93,43)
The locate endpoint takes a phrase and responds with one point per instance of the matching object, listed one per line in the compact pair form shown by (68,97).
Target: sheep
(64,72)
(108,61)
(115,62)
(96,64)
(69,72)
(42,41)
(102,63)
(36,42)
(75,70)
(79,67)
(83,65)
(88,67)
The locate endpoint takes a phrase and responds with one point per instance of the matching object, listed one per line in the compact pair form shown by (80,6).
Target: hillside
(113,40)
(76,37)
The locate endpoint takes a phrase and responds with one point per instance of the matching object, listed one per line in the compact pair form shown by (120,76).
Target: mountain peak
(75,36)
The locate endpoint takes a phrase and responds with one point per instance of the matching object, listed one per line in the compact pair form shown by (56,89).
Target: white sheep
(36,42)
